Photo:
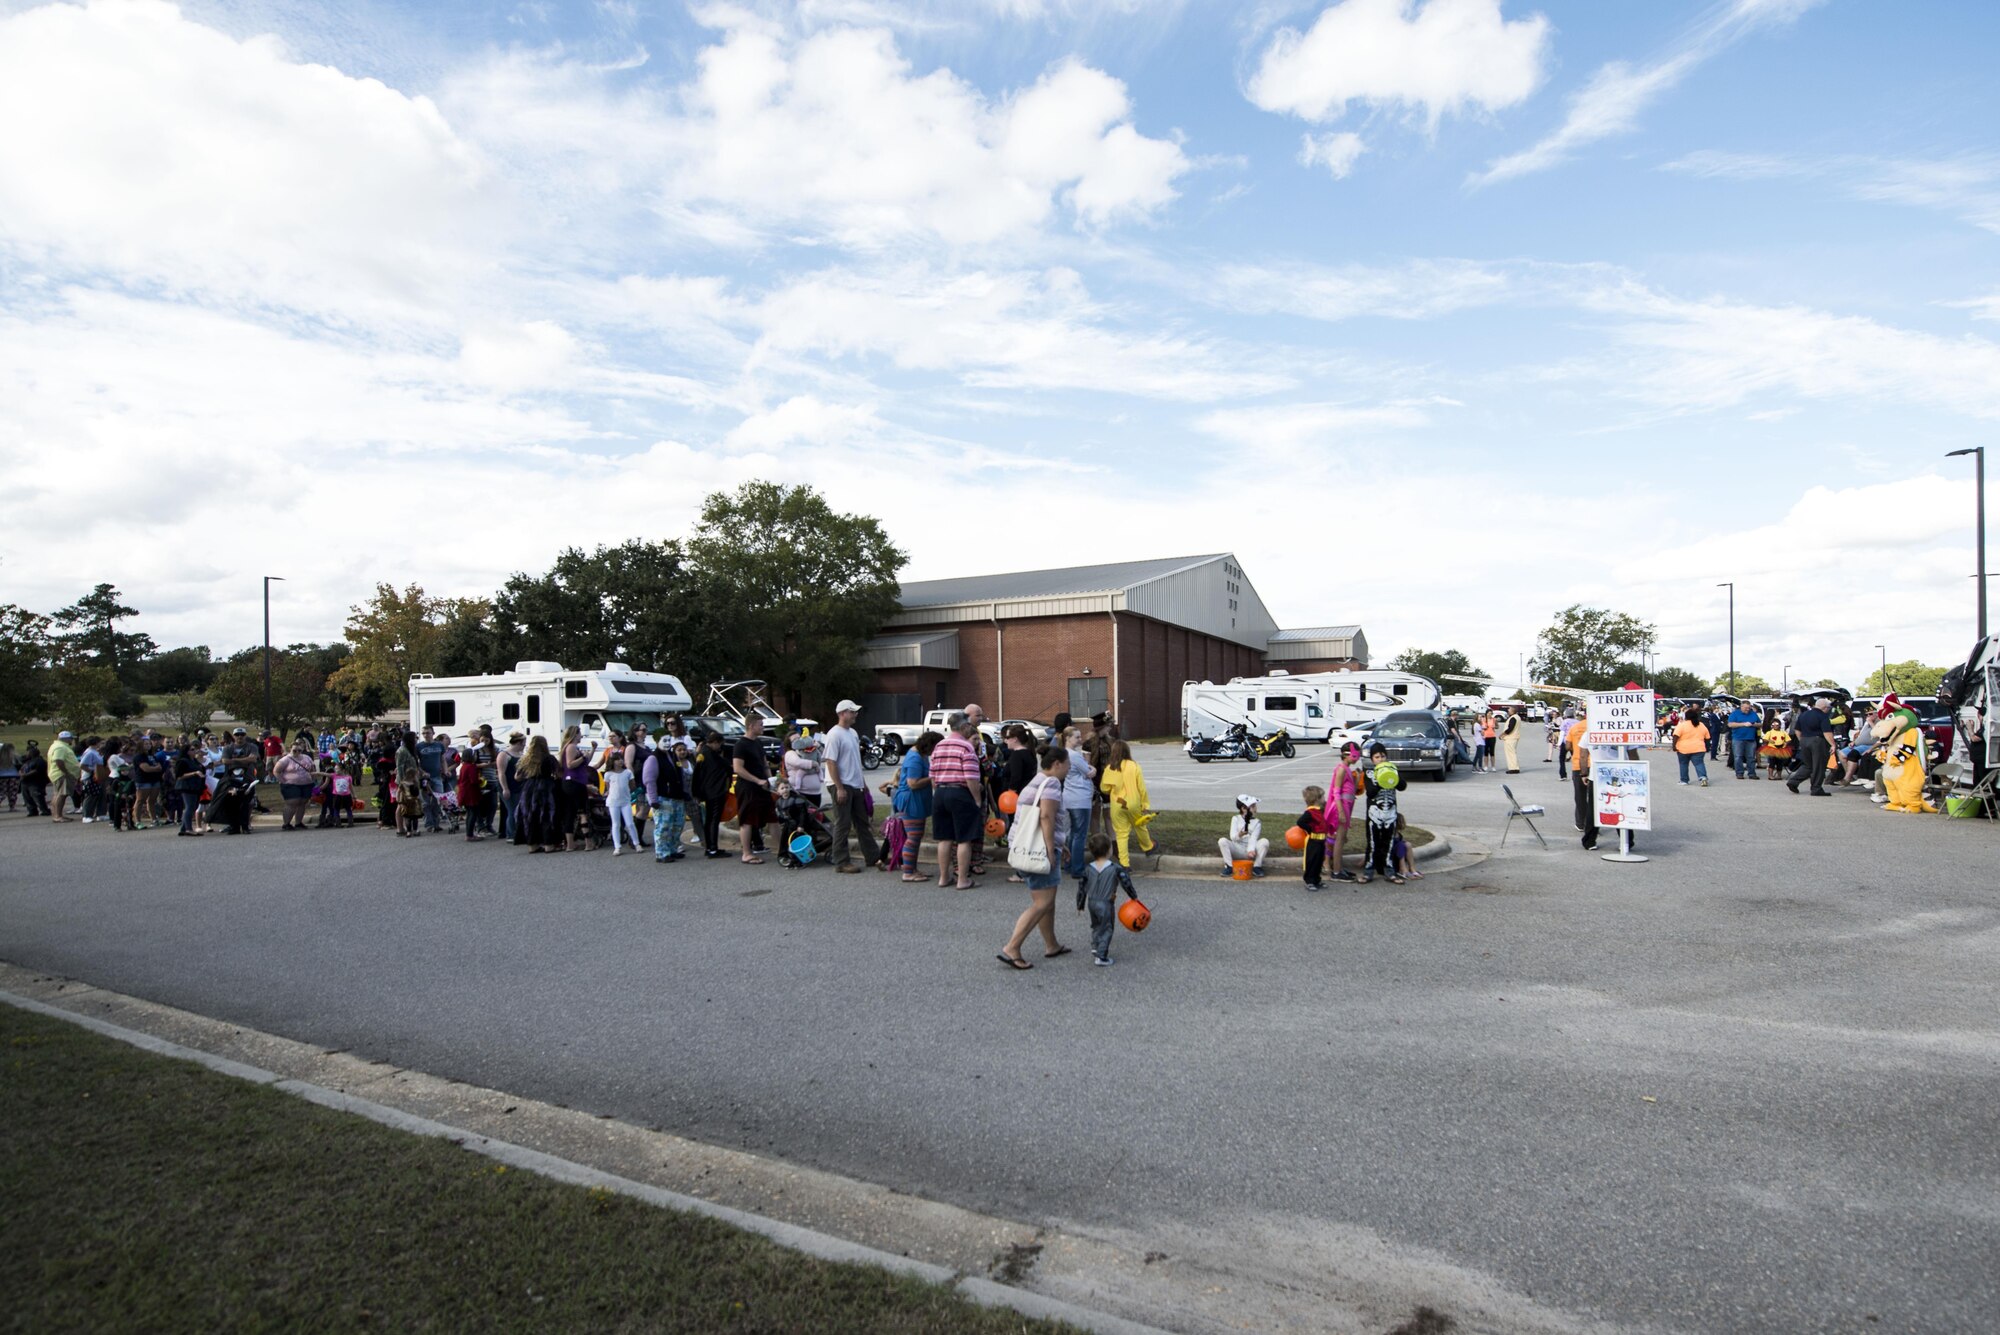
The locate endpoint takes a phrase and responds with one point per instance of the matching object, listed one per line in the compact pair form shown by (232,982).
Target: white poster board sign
(1622,794)
(1620,718)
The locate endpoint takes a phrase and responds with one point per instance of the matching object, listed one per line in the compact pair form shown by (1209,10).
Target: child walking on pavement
(1381,817)
(1101,879)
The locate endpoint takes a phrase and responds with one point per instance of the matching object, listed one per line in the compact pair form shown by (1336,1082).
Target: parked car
(1417,742)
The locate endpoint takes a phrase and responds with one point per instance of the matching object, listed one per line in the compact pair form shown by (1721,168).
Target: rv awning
(914,649)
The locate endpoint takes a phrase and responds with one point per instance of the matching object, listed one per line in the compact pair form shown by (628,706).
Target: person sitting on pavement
(1245,841)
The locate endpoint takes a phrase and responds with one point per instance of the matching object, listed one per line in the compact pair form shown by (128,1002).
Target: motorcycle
(1277,743)
(873,753)
(1235,744)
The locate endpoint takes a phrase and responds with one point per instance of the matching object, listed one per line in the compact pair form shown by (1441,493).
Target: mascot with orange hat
(1905,763)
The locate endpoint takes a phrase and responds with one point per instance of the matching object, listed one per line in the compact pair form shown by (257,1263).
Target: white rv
(1312,706)
(541,698)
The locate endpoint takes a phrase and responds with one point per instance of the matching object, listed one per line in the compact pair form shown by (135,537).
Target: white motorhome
(1312,706)
(543,699)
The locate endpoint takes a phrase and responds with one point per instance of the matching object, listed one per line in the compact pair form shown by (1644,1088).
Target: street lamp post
(267,649)
(1784,686)
(1731,586)
(1885,668)
(1978,453)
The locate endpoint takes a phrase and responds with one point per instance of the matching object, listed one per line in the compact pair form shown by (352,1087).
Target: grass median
(145,1193)
(1193,833)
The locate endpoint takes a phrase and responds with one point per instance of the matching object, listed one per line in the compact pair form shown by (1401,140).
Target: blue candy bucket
(802,846)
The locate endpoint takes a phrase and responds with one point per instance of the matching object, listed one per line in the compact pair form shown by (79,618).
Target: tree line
(772,582)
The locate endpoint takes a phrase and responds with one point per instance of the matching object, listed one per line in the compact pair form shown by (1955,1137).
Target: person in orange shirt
(1580,780)
(1691,745)
(1489,733)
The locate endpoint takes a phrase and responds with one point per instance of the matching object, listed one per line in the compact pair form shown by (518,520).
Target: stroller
(596,818)
(798,814)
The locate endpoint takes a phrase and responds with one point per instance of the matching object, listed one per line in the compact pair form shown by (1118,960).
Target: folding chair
(1985,793)
(1940,783)
(1527,814)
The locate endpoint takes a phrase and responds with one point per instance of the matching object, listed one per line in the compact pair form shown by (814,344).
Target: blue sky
(1441,313)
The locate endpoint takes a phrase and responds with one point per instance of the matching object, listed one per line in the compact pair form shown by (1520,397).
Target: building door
(1088,696)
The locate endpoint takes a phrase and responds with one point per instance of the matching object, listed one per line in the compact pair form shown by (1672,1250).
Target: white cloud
(1001,330)
(1966,187)
(1610,103)
(1418,289)
(1982,308)
(835,133)
(1337,152)
(160,150)
(805,420)
(1283,428)
(1439,56)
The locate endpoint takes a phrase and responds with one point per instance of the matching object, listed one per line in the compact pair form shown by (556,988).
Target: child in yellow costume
(1902,754)
(1125,793)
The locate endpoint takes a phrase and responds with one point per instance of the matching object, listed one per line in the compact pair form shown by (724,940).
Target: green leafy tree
(188,710)
(1591,648)
(27,643)
(90,630)
(807,585)
(1747,684)
(298,686)
(83,697)
(390,637)
(1673,681)
(1826,681)
(1909,677)
(640,602)
(1438,665)
(189,667)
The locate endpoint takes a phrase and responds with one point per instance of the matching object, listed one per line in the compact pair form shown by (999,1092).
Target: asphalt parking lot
(1753,1083)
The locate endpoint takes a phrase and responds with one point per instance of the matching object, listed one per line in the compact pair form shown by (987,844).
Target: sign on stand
(1621,789)
(1620,718)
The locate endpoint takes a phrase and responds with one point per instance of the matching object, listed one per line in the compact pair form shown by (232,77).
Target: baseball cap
(242,732)
(65,735)
(846,705)
(1245,800)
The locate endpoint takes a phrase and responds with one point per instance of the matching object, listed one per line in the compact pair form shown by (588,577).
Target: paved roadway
(1751,1084)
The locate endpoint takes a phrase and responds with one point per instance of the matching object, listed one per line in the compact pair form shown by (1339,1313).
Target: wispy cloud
(1611,102)
(1966,186)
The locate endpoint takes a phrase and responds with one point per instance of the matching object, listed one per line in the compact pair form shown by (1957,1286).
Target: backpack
(1027,851)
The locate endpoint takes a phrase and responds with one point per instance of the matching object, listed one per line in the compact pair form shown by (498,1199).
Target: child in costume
(1102,879)
(1313,822)
(1380,811)
(1400,858)
(1338,813)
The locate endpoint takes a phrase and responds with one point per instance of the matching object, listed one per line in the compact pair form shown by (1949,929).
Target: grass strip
(1193,833)
(147,1193)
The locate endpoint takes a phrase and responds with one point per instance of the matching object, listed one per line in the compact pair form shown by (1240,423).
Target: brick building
(1122,637)
(1318,649)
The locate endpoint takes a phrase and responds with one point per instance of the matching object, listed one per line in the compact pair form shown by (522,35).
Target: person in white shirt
(1246,839)
(618,797)
(844,779)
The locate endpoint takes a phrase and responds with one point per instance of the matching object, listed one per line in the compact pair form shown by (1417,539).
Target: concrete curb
(1179,864)
(820,1246)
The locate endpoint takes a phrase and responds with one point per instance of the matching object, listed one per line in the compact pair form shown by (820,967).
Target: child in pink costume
(1341,790)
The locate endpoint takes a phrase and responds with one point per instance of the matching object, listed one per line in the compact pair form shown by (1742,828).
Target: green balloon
(1386,776)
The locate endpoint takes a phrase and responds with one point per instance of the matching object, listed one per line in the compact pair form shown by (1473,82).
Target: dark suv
(1417,742)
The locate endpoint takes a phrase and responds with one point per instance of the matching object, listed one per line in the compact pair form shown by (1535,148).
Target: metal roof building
(1120,636)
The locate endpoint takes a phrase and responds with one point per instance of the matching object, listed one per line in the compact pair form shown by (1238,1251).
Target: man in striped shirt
(956,810)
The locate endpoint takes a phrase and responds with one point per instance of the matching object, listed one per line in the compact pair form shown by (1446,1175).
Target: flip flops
(1011,962)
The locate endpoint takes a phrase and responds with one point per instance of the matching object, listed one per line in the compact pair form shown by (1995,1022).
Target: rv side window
(1284,702)
(1401,688)
(510,711)
(440,713)
(534,709)
(575,690)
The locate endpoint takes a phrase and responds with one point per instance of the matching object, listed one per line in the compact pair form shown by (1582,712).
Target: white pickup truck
(895,736)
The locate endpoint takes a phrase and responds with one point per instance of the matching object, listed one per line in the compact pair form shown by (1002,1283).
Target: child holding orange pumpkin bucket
(1102,878)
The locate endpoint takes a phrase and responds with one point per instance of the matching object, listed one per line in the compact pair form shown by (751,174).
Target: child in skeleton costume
(1379,805)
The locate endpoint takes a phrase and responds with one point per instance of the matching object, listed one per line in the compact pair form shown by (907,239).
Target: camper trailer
(1312,706)
(539,698)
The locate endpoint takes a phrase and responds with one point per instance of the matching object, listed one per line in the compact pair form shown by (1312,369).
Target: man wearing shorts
(956,817)
(754,805)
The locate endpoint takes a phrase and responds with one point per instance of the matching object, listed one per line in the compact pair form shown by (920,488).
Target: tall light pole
(267,649)
(1785,684)
(1978,453)
(1885,669)
(1731,586)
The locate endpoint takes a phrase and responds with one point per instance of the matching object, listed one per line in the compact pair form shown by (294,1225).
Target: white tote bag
(1027,851)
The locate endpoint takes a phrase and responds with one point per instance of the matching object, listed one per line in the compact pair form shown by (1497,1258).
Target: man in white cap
(1246,841)
(64,772)
(844,781)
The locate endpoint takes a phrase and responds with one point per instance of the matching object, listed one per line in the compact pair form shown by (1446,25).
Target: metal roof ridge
(1193,563)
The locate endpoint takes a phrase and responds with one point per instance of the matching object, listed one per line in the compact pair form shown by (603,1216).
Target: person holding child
(1245,841)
